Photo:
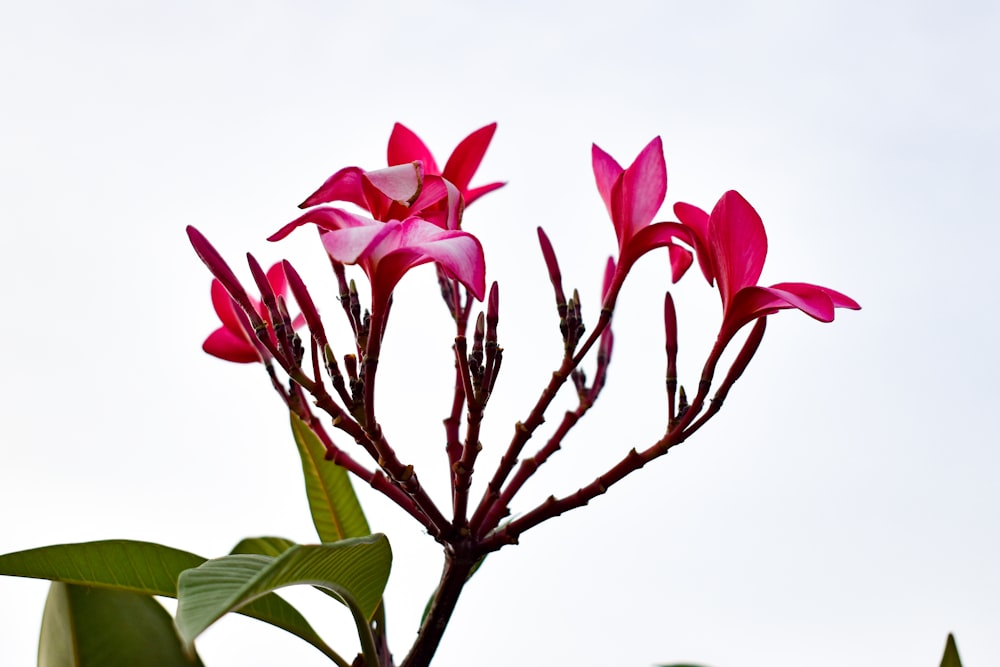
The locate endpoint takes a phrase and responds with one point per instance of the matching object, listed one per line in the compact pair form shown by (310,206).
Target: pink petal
(467,156)
(738,244)
(345,185)
(458,252)
(644,186)
(405,146)
(606,172)
(223,344)
(696,220)
(399,183)
(349,245)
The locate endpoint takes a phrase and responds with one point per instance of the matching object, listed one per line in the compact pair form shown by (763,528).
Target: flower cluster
(410,213)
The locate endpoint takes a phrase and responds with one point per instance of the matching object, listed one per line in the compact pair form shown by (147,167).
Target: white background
(842,509)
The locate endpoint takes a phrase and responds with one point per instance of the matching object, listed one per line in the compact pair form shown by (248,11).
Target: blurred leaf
(334,506)
(950,658)
(100,627)
(141,567)
(356,570)
(263,546)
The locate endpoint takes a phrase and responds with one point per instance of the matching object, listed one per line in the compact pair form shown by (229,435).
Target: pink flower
(633,196)
(387,250)
(232,341)
(394,193)
(731,246)
(405,146)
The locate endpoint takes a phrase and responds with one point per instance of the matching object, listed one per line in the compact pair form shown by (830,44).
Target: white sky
(842,509)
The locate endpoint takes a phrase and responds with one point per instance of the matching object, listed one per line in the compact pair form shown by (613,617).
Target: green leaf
(950,658)
(356,570)
(100,627)
(263,546)
(141,567)
(334,506)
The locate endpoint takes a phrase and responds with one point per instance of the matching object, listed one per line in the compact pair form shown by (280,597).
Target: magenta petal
(609,276)
(225,307)
(325,217)
(680,261)
(345,185)
(467,156)
(752,302)
(696,220)
(644,186)
(655,236)
(839,300)
(606,172)
(475,193)
(738,244)
(405,146)
(224,344)
(276,279)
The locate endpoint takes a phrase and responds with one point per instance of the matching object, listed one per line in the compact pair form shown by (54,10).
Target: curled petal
(399,183)
(839,300)
(657,236)
(324,217)
(754,301)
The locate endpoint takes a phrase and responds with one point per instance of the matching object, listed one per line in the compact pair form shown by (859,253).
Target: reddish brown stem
(524,430)
(457,567)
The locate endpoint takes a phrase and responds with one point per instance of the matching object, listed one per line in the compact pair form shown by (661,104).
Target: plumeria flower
(731,246)
(232,341)
(387,250)
(394,193)
(405,146)
(633,196)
